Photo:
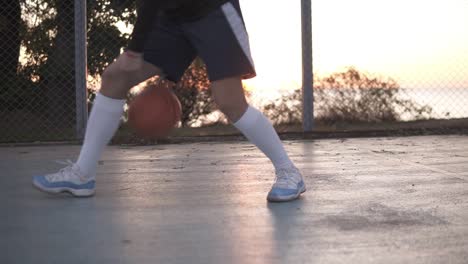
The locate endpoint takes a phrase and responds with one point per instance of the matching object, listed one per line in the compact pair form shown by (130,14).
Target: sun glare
(417,41)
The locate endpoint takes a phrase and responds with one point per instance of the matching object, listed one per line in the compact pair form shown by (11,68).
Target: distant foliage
(194,94)
(44,30)
(349,96)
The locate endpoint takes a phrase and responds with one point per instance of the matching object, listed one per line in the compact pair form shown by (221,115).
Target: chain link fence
(42,94)
(37,69)
(380,65)
(395,65)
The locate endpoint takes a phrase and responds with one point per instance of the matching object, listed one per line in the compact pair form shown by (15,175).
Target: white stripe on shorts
(238,27)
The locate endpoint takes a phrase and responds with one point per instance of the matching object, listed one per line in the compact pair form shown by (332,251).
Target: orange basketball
(154,112)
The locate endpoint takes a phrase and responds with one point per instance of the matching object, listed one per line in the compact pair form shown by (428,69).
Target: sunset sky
(420,43)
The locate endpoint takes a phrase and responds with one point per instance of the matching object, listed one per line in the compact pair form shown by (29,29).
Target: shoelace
(65,162)
(283,178)
(60,175)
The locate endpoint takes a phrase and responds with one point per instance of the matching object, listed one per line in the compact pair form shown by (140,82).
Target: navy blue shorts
(220,39)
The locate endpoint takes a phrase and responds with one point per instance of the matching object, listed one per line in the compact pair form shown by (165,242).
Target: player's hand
(130,61)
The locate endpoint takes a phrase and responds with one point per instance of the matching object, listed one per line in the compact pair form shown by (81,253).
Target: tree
(51,56)
(41,88)
(58,73)
(10,25)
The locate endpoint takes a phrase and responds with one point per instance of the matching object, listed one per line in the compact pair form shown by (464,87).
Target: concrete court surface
(369,200)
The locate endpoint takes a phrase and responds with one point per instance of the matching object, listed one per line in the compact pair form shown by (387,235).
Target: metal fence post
(307,67)
(80,68)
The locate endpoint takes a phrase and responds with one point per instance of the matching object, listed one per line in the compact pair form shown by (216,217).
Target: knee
(114,75)
(225,106)
(232,110)
(116,82)
(229,97)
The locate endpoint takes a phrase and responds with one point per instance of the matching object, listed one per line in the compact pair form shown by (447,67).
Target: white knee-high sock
(258,129)
(102,124)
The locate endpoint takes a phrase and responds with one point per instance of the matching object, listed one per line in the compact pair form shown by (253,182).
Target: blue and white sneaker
(288,185)
(69,179)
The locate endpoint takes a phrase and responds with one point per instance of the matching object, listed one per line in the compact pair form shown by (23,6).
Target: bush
(349,96)
(194,94)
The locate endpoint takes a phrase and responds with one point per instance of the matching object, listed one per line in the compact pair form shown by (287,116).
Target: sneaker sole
(74,192)
(287,198)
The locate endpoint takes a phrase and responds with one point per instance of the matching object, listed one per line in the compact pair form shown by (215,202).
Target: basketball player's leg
(78,178)
(166,51)
(228,63)
(128,70)
(229,96)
